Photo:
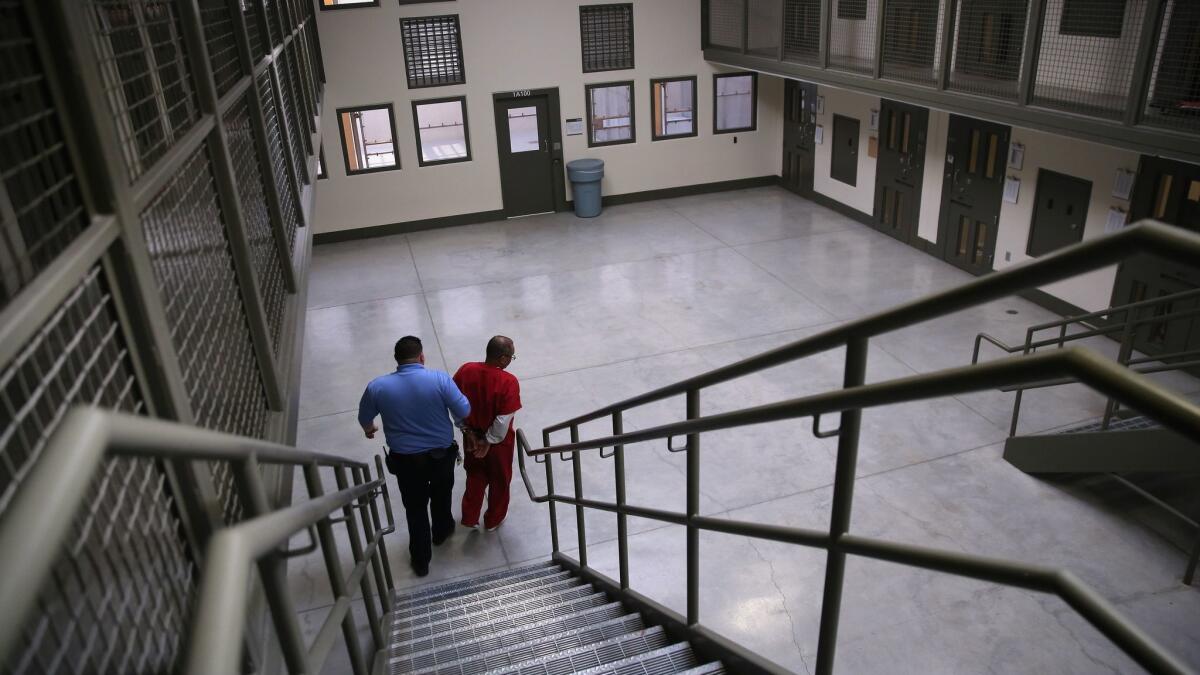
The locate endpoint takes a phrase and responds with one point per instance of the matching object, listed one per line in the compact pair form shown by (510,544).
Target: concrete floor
(650,293)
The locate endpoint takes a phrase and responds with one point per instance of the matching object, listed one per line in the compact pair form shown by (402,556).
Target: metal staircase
(534,620)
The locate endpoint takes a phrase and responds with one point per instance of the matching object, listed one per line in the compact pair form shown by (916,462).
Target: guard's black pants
(425,486)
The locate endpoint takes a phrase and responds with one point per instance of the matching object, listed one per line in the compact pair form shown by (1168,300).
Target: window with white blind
(610,113)
(673,107)
(368,138)
(735,102)
(441,126)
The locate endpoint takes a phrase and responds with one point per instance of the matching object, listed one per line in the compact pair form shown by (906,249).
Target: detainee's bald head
(499,347)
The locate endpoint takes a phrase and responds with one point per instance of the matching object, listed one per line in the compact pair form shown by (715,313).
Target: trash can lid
(588,164)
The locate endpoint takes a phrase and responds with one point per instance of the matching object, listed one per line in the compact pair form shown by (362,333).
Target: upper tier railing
(1106,376)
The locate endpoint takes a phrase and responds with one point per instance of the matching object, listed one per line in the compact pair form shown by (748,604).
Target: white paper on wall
(1123,184)
(1012,188)
(819,135)
(1016,156)
(1116,220)
(575,126)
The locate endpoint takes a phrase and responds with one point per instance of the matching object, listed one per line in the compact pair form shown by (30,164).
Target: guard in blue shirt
(416,406)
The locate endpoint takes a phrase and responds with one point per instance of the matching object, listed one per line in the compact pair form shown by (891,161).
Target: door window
(523,130)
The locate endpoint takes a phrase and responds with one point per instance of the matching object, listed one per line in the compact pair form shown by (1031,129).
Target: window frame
(583,61)
(462,64)
(654,135)
(462,100)
(357,5)
(421,2)
(323,168)
(753,102)
(587,100)
(847,16)
(342,134)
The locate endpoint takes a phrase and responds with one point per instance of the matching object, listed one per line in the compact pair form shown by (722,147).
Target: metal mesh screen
(726,20)
(911,40)
(1174,96)
(268,268)
(274,27)
(143,63)
(79,356)
(222,49)
(802,30)
(195,273)
(432,51)
(852,30)
(121,593)
(35,168)
(763,18)
(988,40)
(279,169)
(606,36)
(299,96)
(1088,48)
(288,117)
(252,14)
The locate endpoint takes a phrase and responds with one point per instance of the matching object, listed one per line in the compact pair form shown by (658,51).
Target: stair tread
(530,585)
(583,657)
(710,668)
(518,637)
(427,639)
(1116,424)
(507,655)
(671,659)
(487,615)
(518,596)
(474,582)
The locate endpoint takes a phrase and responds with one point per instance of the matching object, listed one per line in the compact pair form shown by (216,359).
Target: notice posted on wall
(1116,220)
(575,126)
(1012,189)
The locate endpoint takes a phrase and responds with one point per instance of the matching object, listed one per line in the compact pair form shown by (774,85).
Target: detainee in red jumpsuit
(495,396)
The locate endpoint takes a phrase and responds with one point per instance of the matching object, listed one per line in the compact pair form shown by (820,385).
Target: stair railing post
(843,498)
(1110,406)
(383,554)
(693,510)
(333,565)
(356,548)
(618,428)
(370,524)
(554,548)
(580,515)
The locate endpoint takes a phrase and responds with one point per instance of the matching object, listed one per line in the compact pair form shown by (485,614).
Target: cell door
(1059,212)
(526,159)
(843,160)
(976,154)
(900,169)
(799,126)
(1169,192)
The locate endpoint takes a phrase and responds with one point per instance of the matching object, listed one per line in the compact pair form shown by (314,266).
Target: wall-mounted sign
(575,126)
(1116,220)
(820,105)
(1012,189)
(520,93)
(872,146)
(1016,156)
(819,135)
(873,124)
(1123,184)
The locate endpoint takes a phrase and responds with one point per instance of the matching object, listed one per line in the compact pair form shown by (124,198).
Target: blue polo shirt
(413,402)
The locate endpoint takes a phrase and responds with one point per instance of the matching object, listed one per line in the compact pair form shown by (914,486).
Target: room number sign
(520,92)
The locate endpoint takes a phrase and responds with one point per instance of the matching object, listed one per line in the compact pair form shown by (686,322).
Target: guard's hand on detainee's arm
(370,430)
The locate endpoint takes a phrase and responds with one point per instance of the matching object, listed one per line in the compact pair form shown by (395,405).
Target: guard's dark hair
(408,348)
(499,346)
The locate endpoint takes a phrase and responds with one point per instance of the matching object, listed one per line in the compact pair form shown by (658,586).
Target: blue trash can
(585,175)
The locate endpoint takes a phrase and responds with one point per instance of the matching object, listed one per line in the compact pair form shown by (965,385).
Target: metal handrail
(73,456)
(1112,379)
(1127,327)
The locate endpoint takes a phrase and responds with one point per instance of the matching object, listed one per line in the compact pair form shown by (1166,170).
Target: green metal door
(799,126)
(900,169)
(976,154)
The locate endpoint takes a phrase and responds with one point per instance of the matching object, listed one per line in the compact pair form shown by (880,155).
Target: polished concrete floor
(649,293)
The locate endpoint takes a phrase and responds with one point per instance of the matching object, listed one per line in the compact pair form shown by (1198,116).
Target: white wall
(1089,161)
(522,44)
(861,195)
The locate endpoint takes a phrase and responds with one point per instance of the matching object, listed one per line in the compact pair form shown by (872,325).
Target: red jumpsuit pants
(491,474)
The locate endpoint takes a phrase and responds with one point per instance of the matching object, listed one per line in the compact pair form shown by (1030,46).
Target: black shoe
(420,570)
(438,541)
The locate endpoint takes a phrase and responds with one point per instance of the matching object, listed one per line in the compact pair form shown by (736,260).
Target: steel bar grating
(268,267)
(802,31)
(1085,62)
(726,19)
(222,48)
(432,51)
(120,596)
(78,357)
(1174,95)
(144,66)
(288,116)
(988,47)
(497,607)
(299,97)
(274,27)
(205,311)
(606,33)
(35,166)
(912,40)
(279,168)
(434,604)
(427,638)
(852,34)
(594,655)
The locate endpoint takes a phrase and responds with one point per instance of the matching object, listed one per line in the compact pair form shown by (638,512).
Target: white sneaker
(493,529)
(470,527)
